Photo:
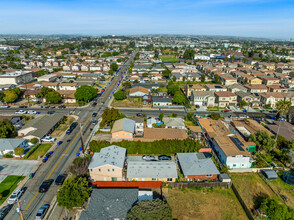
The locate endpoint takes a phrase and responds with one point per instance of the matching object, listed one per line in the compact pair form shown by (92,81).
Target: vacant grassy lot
(204,203)
(252,188)
(62,127)
(283,188)
(8,185)
(169,58)
(40,151)
(131,103)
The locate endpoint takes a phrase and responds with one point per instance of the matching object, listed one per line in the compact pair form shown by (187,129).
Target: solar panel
(238,143)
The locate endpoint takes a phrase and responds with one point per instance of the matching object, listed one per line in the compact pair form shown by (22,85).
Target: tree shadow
(258,199)
(5,192)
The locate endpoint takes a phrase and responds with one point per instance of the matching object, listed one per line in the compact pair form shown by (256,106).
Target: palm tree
(283,107)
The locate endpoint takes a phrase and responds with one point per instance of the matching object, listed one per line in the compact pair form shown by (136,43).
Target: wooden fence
(198,184)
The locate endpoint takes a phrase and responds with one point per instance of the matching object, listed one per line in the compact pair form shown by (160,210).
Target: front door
(114,179)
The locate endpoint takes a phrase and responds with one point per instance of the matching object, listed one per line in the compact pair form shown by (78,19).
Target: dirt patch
(62,127)
(204,203)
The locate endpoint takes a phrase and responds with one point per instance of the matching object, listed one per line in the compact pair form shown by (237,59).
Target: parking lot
(16,167)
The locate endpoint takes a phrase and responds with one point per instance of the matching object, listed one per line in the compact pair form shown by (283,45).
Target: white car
(15,195)
(21,112)
(48,139)
(32,112)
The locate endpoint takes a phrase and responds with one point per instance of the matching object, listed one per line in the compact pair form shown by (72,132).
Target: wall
(97,175)
(122,135)
(150,179)
(133,184)
(200,177)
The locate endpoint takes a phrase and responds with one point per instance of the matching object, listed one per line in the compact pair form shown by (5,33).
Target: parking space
(16,167)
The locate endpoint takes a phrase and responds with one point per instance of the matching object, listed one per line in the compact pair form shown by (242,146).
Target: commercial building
(16,78)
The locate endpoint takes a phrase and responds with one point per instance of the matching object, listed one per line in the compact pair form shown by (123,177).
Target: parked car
(60,179)
(48,139)
(73,125)
(61,106)
(94,104)
(148,157)
(139,114)
(94,122)
(47,106)
(4,106)
(45,185)
(226,110)
(164,157)
(23,106)
(94,114)
(15,195)
(21,112)
(52,107)
(68,131)
(42,212)
(32,112)
(197,106)
(51,112)
(4,211)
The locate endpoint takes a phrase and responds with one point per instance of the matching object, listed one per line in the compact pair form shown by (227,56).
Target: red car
(226,110)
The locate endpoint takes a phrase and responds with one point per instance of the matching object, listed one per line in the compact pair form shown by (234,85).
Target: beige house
(123,129)
(228,80)
(224,99)
(194,87)
(108,164)
(270,80)
(271,98)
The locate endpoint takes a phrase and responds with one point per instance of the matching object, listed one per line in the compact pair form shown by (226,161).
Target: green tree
(215,116)
(114,67)
(172,88)
(203,78)
(44,91)
(216,79)
(145,75)
(34,140)
(19,151)
(10,96)
(179,98)
(282,142)
(243,103)
(120,95)
(263,140)
(73,193)
(276,211)
(111,72)
(17,91)
(174,78)
(53,97)
(161,115)
(7,130)
(127,85)
(2,95)
(150,209)
(189,54)
(80,166)
(85,93)
(166,73)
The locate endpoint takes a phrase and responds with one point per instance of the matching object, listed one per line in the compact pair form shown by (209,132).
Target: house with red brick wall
(196,166)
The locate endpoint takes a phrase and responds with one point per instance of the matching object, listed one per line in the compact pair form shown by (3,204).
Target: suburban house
(68,86)
(277,88)
(224,99)
(68,96)
(196,166)
(165,171)
(161,101)
(108,164)
(228,80)
(271,98)
(174,123)
(123,129)
(8,145)
(251,99)
(231,151)
(203,98)
(254,81)
(236,88)
(138,91)
(268,80)
(47,78)
(194,87)
(51,85)
(14,119)
(139,126)
(215,88)
(254,88)
(150,122)
(110,203)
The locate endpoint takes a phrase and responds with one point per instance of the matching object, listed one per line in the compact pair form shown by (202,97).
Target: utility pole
(82,142)
(20,211)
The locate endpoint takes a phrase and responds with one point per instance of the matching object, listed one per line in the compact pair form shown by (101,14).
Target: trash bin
(31,175)
(78,154)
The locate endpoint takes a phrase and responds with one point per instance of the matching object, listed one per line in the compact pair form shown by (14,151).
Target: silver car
(15,195)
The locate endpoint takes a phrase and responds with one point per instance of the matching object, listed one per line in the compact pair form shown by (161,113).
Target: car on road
(47,106)
(61,106)
(94,114)
(148,157)
(32,112)
(48,139)
(21,112)
(4,106)
(15,196)
(226,110)
(4,211)
(139,114)
(102,102)
(42,212)
(164,157)
(51,112)
(94,104)
(60,179)
(45,185)
(94,122)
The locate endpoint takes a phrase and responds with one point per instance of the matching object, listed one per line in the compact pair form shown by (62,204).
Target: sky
(248,18)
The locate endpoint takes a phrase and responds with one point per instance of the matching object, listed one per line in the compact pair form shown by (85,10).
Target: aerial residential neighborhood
(142,110)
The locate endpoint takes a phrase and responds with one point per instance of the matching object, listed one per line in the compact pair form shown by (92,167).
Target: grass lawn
(169,58)
(283,188)
(62,127)
(252,188)
(8,185)
(40,151)
(204,203)
(133,102)
(188,123)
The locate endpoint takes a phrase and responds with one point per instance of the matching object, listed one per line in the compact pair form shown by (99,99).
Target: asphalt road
(63,155)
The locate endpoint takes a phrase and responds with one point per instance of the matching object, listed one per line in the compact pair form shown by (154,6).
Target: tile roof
(224,94)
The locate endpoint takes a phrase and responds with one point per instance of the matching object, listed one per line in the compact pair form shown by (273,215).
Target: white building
(47,78)
(201,57)
(8,145)
(17,77)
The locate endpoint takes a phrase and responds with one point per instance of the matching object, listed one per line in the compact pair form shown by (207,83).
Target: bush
(31,151)
(8,155)
(34,140)
(215,116)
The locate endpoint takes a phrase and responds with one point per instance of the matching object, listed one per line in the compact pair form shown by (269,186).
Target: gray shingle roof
(110,204)
(112,155)
(152,169)
(161,99)
(10,143)
(124,124)
(196,164)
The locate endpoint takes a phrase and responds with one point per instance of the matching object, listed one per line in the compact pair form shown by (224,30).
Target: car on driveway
(32,112)
(48,139)
(45,185)
(42,212)
(148,157)
(60,179)
(15,196)
(20,112)
(164,157)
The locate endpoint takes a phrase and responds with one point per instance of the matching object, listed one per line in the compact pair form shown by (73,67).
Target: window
(108,170)
(209,175)
(116,135)
(234,165)
(92,170)
(98,170)
(112,170)
(153,179)
(169,179)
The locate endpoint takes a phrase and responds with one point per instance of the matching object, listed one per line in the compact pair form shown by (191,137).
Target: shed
(224,177)
(269,174)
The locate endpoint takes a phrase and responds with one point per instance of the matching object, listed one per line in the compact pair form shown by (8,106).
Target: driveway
(10,167)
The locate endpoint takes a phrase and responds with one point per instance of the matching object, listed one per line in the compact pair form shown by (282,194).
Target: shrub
(34,140)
